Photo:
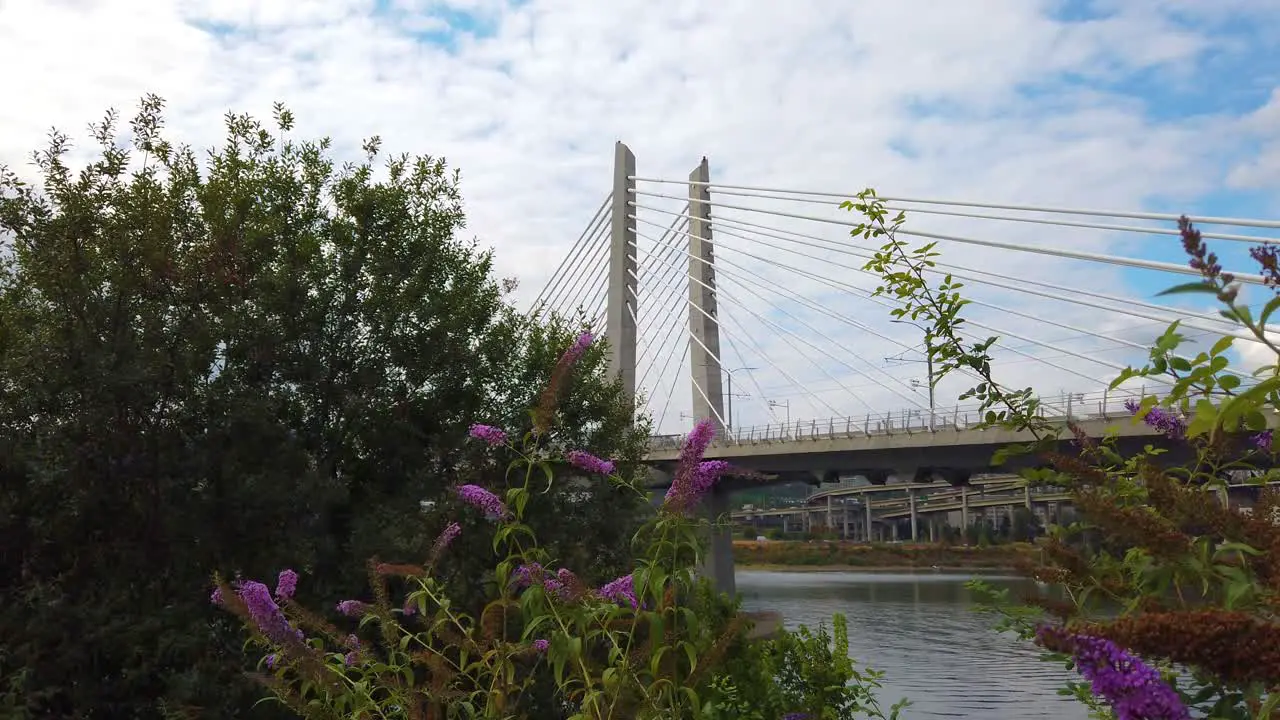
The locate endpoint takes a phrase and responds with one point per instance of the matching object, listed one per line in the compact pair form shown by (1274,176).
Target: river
(921,630)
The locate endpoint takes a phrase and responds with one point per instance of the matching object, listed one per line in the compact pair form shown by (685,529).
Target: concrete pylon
(704,363)
(621,309)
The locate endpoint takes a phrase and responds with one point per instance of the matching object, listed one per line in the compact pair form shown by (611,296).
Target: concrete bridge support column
(718,564)
(964,508)
(870,524)
(911,499)
(830,523)
(844,524)
(1026,497)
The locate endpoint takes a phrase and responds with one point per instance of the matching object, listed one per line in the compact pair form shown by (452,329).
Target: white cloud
(915,98)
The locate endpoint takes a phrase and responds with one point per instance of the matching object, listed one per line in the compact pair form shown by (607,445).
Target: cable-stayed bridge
(750,305)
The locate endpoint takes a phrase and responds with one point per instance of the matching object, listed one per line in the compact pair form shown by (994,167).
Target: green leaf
(1225,342)
(1202,286)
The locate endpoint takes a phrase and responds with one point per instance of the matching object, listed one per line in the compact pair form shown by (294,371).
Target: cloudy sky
(1137,105)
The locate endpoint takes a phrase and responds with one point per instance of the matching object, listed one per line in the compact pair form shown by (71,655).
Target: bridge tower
(704,363)
(621,308)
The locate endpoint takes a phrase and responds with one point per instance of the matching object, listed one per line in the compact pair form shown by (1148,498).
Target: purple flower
(286,584)
(478,497)
(351,608)
(621,590)
(541,645)
(684,490)
(1173,426)
(796,716)
(586,461)
(577,349)
(350,658)
(1133,689)
(266,613)
(272,659)
(410,608)
(527,575)
(216,596)
(447,536)
(1262,441)
(488,434)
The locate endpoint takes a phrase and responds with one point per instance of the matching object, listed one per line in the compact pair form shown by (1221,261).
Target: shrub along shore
(803,555)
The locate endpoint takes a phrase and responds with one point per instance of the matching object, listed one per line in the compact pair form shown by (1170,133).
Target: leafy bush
(654,643)
(1162,580)
(237,360)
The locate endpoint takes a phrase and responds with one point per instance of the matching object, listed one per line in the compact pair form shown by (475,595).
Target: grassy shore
(818,555)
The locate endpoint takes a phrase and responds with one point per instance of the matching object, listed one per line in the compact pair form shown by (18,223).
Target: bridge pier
(911,500)
(717,566)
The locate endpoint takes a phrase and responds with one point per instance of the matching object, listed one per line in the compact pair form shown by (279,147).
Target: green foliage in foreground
(236,360)
(1164,581)
(653,644)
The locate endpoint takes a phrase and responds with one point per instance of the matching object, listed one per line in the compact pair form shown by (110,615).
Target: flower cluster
(586,461)
(1172,425)
(691,480)
(1262,440)
(266,614)
(286,584)
(482,499)
(351,608)
(488,434)
(1133,689)
(621,590)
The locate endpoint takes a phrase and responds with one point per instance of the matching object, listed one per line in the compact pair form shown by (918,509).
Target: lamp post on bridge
(928,360)
(782,404)
(728,419)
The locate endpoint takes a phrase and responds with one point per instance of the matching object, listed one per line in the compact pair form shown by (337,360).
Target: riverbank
(798,555)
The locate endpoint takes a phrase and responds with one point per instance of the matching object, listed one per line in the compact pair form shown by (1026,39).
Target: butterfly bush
(1159,575)
(407,651)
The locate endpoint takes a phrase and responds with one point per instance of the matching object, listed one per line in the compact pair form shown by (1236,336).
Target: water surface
(922,631)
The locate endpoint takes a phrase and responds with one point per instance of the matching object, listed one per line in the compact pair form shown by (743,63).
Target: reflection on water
(922,631)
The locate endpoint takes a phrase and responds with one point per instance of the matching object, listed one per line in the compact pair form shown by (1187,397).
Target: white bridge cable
(643,267)
(960,272)
(943,268)
(1011,218)
(983,303)
(669,290)
(646,266)
(774,389)
(860,326)
(1181,269)
(728,339)
(575,263)
(573,291)
(801,387)
(677,321)
(975,323)
(1164,217)
(581,242)
(684,354)
(672,314)
(720,292)
(763,356)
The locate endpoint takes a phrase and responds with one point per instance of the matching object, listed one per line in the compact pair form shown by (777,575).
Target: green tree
(237,361)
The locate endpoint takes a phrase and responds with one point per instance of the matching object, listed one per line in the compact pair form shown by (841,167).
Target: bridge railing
(1105,404)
